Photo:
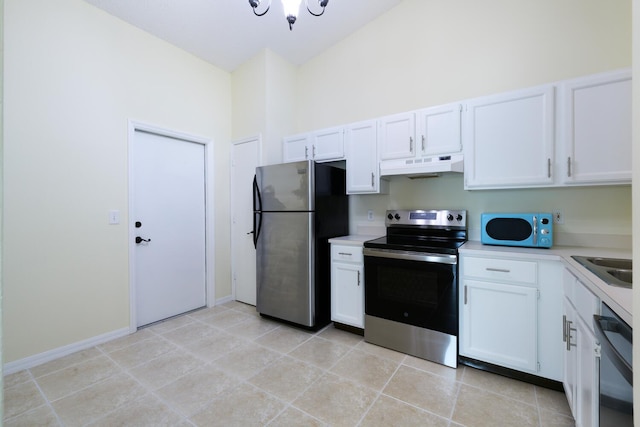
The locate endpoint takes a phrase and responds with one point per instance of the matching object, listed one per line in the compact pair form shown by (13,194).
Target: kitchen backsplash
(597,216)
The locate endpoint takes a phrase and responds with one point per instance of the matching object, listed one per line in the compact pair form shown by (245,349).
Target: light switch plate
(114,217)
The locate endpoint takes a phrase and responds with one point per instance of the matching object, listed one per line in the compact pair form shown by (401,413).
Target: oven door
(415,288)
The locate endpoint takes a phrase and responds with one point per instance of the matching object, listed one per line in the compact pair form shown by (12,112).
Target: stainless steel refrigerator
(297,208)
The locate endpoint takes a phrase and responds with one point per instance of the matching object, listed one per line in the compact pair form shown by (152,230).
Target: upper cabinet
(295,148)
(363,171)
(572,132)
(422,142)
(596,129)
(510,139)
(322,146)
(566,133)
(439,130)
(397,136)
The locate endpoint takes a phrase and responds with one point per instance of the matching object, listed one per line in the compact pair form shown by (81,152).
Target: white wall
(264,102)
(1,201)
(74,75)
(429,52)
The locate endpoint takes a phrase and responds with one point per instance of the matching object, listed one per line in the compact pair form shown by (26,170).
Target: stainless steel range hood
(427,166)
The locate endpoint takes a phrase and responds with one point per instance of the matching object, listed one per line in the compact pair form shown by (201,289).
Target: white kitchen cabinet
(581,350)
(347,284)
(500,324)
(438,144)
(509,308)
(295,148)
(397,136)
(321,145)
(510,139)
(363,171)
(439,131)
(596,128)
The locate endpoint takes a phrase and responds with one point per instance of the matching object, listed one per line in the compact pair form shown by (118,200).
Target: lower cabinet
(500,324)
(347,285)
(509,308)
(580,360)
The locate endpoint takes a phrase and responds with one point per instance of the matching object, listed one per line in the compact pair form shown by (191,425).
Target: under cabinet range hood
(426,166)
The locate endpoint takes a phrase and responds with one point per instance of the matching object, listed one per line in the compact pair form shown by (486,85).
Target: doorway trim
(137,126)
(234,262)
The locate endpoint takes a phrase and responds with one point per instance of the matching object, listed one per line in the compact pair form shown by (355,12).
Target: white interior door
(169,214)
(245,158)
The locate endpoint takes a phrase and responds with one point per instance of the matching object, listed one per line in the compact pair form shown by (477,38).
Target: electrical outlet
(558,217)
(370,215)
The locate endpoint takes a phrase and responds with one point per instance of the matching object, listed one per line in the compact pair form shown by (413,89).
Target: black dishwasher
(616,369)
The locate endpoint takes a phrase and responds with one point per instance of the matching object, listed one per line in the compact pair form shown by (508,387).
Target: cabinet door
(295,148)
(397,136)
(587,387)
(347,294)
(328,144)
(499,324)
(510,139)
(439,130)
(363,174)
(596,123)
(570,355)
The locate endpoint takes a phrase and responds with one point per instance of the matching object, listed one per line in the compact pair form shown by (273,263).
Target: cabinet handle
(465,294)
(499,270)
(569,167)
(372,178)
(410,143)
(344,253)
(423,139)
(306,152)
(569,329)
(549,168)
(358,278)
(564,328)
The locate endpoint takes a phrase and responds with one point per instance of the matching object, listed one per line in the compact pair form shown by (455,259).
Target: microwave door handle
(535,230)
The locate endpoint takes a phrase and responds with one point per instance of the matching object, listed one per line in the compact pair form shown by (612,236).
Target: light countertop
(619,299)
(353,239)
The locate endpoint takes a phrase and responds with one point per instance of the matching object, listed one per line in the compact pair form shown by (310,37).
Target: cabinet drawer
(501,269)
(346,253)
(586,303)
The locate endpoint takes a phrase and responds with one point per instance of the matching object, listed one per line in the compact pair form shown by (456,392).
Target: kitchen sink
(613,271)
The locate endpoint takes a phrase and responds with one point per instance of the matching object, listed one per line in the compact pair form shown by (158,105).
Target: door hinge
(597,351)
(538,292)
(538,363)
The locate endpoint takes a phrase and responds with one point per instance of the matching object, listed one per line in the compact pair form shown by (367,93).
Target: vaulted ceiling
(226,33)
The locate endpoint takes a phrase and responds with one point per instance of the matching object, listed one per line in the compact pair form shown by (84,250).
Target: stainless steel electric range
(411,276)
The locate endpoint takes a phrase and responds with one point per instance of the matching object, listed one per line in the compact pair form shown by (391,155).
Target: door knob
(140,239)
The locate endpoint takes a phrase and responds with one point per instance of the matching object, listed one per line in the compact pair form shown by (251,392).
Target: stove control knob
(390,216)
(397,216)
(459,217)
(450,217)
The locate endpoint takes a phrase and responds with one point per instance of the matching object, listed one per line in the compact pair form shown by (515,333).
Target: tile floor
(227,366)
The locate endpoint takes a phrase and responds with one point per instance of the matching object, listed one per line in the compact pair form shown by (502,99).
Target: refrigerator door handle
(256,195)
(256,232)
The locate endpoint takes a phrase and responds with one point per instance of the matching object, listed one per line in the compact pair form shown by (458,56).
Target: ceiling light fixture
(291,8)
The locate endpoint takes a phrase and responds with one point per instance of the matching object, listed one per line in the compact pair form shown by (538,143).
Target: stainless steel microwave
(517,229)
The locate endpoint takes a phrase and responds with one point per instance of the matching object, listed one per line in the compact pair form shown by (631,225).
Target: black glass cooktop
(416,244)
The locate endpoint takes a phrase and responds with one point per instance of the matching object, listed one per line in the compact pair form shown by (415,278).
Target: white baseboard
(224,300)
(47,356)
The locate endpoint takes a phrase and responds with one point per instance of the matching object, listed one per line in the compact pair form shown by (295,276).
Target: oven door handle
(411,256)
